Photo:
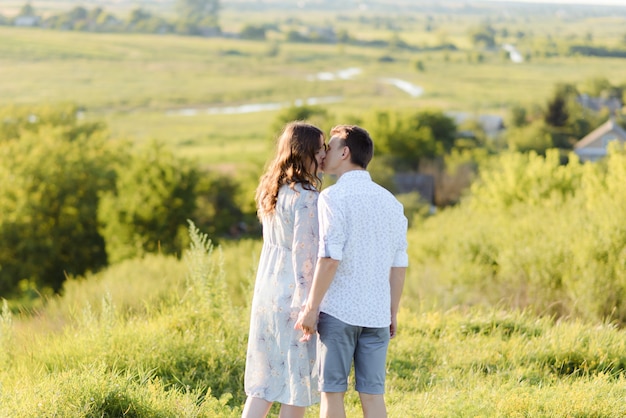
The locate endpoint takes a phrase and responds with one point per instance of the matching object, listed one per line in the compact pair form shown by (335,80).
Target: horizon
(564,2)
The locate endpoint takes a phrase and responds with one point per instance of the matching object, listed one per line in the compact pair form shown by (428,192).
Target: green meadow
(514,299)
(137,83)
(163,337)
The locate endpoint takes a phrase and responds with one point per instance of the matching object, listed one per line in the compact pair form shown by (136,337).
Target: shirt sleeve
(305,244)
(401,258)
(332,235)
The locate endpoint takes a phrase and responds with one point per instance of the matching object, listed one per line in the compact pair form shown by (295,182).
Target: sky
(591,2)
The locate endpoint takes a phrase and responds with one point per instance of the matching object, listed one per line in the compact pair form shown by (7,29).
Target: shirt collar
(354,175)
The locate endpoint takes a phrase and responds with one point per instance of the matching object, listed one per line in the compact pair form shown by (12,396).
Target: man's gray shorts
(338,342)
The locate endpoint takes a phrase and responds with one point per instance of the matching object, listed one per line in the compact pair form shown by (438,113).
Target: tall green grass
(164,337)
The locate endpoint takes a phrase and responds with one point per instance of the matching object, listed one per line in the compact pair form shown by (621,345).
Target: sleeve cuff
(330,251)
(401,260)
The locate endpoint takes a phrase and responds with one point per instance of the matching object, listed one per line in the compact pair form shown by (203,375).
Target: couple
(329,279)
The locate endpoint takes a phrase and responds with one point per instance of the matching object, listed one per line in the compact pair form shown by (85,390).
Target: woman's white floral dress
(280,368)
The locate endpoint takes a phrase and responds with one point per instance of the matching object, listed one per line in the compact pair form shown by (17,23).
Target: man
(358,279)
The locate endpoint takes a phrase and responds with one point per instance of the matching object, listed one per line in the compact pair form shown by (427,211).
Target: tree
(518,116)
(556,113)
(483,36)
(406,139)
(196,17)
(442,126)
(217,211)
(27,10)
(253,32)
(51,173)
(566,119)
(534,137)
(147,211)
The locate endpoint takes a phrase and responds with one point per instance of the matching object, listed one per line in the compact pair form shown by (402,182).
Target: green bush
(146,212)
(533,234)
(74,200)
(52,172)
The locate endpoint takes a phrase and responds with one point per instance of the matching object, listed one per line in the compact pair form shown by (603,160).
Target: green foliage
(27,10)
(567,120)
(146,212)
(53,169)
(483,36)
(185,358)
(534,137)
(414,206)
(217,210)
(180,356)
(141,20)
(253,32)
(533,233)
(183,353)
(419,66)
(514,178)
(409,138)
(196,16)
(76,200)
(64,119)
(556,114)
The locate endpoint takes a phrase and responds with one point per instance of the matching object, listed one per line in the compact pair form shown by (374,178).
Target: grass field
(152,346)
(137,83)
(160,336)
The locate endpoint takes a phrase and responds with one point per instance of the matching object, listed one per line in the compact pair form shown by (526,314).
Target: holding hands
(307,322)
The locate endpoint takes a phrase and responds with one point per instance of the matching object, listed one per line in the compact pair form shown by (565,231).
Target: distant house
(320,34)
(613,104)
(27,21)
(491,124)
(594,146)
(424,184)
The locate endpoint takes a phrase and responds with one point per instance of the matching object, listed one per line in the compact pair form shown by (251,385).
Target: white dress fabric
(280,368)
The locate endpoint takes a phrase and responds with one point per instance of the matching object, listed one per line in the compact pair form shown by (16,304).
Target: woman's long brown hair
(296,148)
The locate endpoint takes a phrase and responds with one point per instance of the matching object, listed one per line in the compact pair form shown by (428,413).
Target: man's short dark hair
(358,141)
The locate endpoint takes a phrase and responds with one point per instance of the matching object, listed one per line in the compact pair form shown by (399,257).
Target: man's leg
(373,405)
(335,347)
(331,405)
(370,372)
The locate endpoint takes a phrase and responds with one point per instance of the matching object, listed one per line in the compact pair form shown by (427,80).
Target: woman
(280,367)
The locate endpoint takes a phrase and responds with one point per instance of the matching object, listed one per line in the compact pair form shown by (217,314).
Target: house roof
(609,126)
(492,124)
(598,103)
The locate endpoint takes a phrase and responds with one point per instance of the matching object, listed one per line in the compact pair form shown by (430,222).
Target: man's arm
(396,282)
(324,274)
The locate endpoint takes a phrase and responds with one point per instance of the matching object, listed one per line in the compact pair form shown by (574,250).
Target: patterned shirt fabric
(280,368)
(362,225)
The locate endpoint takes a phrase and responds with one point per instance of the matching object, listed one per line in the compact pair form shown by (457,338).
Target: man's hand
(323,276)
(307,322)
(393,327)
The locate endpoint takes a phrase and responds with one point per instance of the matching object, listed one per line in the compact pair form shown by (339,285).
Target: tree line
(75,200)
(193,17)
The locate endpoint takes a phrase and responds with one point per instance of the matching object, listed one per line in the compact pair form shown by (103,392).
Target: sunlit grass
(132,81)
